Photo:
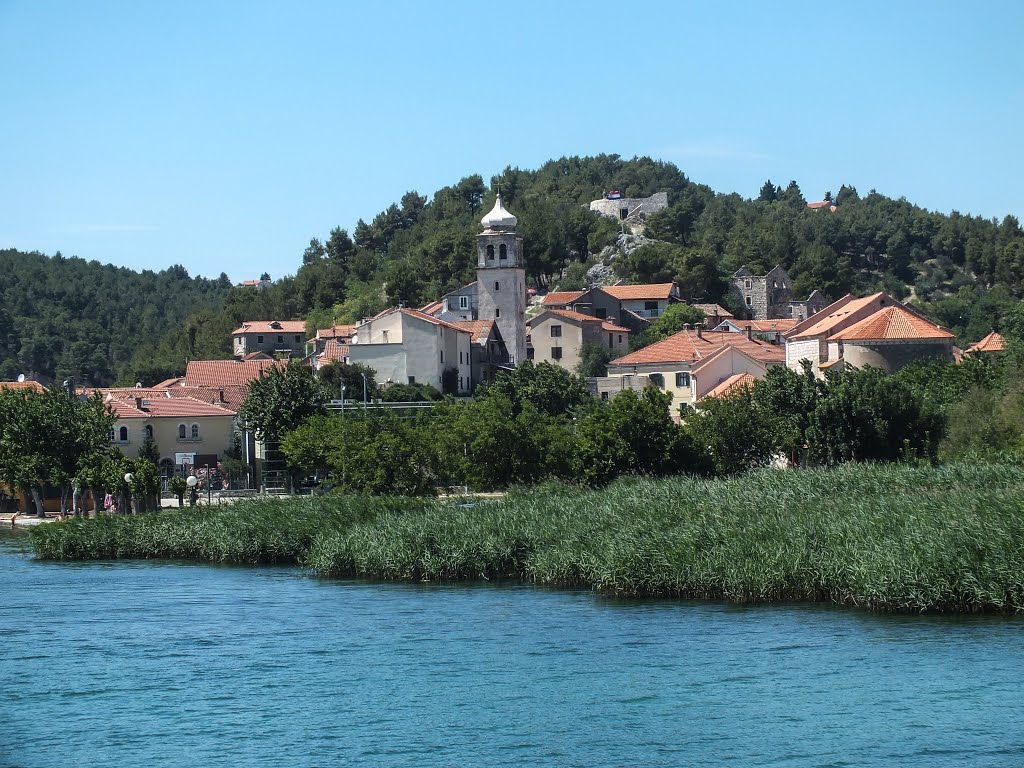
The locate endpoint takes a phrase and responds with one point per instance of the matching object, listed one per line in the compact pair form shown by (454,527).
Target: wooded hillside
(65,316)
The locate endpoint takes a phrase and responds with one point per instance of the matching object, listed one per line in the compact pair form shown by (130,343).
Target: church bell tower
(501,279)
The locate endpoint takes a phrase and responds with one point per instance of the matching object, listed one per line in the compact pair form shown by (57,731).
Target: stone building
(630,209)
(557,336)
(276,338)
(501,279)
(770,296)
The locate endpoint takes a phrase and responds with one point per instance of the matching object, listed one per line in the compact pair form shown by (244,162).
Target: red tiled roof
(333,351)
(686,346)
(892,323)
(257,356)
(431,319)
(336,332)
(22,385)
(825,324)
(767,326)
(226,373)
(173,381)
(637,292)
(608,325)
(432,307)
(994,342)
(230,397)
(561,298)
(481,329)
(166,407)
(264,326)
(822,204)
(714,310)
(734,382)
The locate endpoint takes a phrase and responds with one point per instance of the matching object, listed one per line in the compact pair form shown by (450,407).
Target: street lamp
(343,400)
(128,477)
(191,482)
(364,390)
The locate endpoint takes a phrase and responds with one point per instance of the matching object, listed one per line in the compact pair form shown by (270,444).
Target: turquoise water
(168,664)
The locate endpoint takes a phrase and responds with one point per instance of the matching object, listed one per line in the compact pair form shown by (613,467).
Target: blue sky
(223,136)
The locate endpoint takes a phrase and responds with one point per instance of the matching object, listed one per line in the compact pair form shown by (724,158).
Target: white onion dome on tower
(499,218)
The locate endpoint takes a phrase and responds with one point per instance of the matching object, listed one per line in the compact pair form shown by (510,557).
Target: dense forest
(65,316)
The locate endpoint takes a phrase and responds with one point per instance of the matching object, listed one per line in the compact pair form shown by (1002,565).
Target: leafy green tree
(736,432)
(352,375)
(281,400)
(594,359)
(550,389)
(409,393)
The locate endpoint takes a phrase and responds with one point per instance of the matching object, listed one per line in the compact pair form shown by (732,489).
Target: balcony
(648,313)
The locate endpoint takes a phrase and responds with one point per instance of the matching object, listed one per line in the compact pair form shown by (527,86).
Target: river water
(170,664)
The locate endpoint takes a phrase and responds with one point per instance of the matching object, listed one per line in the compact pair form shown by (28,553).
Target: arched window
(502,251)
(122,434)
(195,431)
(149,431)
(490,253)
(181,431)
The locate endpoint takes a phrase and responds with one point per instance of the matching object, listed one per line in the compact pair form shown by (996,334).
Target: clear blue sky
(223,136)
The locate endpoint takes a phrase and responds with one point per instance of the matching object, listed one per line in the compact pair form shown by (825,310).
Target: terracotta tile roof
(768,326)
(561,298)
(734,382)
(686,346)
(266,326)
(481,329)
(257,356)
(168,382)
(230,397)
(22,385)
(608,325)
(567,314)
(431,319)
(892,323)
(838,313)
(334,351)
(166,407)
(336,332)
(226,373)
(636,292)
(714,310)
(822,204)
(432,308)
(994,342)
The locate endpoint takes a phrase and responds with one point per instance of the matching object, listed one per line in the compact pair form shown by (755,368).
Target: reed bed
(254,532)
(892,538)
(889,538)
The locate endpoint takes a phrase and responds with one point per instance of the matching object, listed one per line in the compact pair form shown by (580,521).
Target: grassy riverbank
(886,538)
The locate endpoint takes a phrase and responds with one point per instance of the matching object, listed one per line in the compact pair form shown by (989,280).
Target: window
(529,353)
(623,213)
(790,308)
(658,380)
(749,301)
(497,287)
(604,395)
(460,357)
(460,383)
(502,251)
(490,253)
(620,338)
(746,283)
(181,431)
(556,353)
(412,379)
(298,339)
(683,380)
(556,331)
(148,431)
(497,312)
(112,436)
(442,355)
(611,341)
(122,434)
(601,313)
(650,305)
(195,431)
(280,339)
(259,339)
(463,302)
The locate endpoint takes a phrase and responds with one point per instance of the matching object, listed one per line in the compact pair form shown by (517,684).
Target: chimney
(138,403)
(750,333)
(220,395)
(700,330)
(687,327)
